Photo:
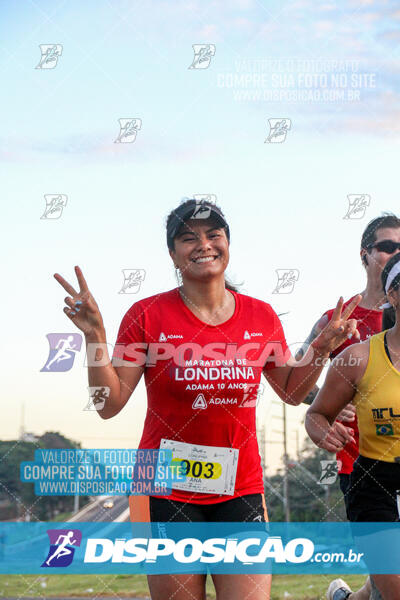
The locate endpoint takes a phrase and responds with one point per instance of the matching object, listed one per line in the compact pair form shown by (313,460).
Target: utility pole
(327,500)
(22,424)
(261,445)
(285,474)
(286,503)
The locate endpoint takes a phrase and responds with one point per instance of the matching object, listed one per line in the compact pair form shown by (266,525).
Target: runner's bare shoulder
(352,361)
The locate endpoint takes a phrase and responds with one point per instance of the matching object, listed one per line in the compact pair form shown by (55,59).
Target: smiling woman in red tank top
(202,348)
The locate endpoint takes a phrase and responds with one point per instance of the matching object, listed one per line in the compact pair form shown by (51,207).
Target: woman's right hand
(82,308)
(336,438)
(347,415)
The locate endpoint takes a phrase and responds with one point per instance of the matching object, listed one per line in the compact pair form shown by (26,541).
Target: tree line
(18,499)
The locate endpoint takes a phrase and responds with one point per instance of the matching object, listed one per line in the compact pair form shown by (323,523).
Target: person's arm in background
(348,412)
(309,399)
(337,391)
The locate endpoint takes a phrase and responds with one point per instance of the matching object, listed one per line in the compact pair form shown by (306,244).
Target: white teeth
(205,259)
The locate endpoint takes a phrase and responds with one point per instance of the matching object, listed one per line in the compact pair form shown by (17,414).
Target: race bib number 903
(208,469)
(197,468)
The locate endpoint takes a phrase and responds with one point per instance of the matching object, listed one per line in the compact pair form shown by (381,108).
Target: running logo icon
(212,198)
(358,204)
(50,54)
(286,280)
(203,54)
(55,204)
(278,129)
(61,551)
(252,395)
(128,129)
(97,397)
(329,472)
(132,280)
(62,351)
(202,211)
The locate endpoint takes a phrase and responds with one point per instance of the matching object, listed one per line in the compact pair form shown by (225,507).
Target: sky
(329,70)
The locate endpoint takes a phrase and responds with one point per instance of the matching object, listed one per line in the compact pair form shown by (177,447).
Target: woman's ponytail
(388,318)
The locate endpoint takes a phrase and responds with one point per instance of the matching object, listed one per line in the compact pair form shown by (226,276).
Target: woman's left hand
(339,329)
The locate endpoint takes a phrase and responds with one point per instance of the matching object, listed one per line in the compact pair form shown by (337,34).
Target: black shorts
(344,481)
(250,508)
(372,491)
(162,518)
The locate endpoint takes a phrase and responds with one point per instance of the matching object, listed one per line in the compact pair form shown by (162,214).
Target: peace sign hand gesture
(82,308)
(339,329)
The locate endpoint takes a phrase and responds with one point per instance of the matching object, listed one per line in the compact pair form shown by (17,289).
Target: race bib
(208,469)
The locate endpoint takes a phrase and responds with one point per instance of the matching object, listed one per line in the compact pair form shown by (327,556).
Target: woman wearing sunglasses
(372,383)
(202,348)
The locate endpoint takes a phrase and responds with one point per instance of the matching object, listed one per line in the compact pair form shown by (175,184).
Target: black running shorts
(246,509)
(372,491)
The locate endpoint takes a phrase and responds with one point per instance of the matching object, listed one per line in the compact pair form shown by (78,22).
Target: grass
(300,587)
(62,516)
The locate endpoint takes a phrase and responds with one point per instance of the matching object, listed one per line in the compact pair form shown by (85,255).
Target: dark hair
(231,286)
(389,314)
(388,318)
(368,238)
(180,215)
(228,284)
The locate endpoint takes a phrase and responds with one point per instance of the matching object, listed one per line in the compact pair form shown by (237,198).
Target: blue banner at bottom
(151,548)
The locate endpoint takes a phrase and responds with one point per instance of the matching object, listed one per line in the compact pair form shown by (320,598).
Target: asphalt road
(95,511)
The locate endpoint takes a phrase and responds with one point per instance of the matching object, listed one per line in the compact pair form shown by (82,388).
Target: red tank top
(210,397)
(369,322)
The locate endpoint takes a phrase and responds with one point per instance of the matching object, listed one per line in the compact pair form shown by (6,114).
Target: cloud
(300,4)
(99,147)
(392,35)
(359,3)
(322,27)
(209,33)
(380,118)
(369,17)
(326,7)
(243,24)
(240,3)
(387,125)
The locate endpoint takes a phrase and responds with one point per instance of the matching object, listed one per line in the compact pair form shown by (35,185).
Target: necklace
(186,300)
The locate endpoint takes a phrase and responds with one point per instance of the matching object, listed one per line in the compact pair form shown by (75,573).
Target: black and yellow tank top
(378,405)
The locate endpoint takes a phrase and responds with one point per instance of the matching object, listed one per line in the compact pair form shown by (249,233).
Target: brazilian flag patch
(384,429)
